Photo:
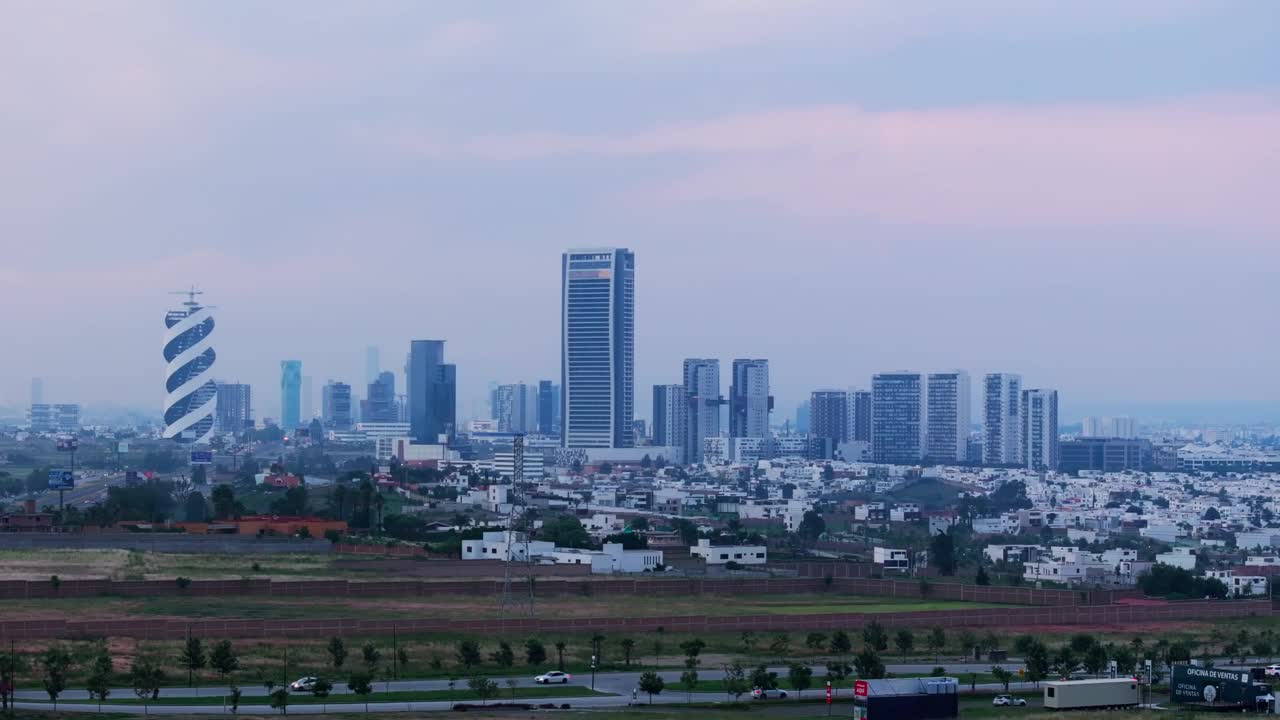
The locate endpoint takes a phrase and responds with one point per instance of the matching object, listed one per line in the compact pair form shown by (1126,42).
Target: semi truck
(1085,694)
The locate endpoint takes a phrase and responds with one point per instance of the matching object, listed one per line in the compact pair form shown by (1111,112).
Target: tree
(875,636)
(483,687)
(748,638)
(1212,514)
(967,641)
(503,656)
(535,653)
(192,658)
(1082,643)
(652,683)
(936,640)
(1064,661)
(145,677)
(904,640)
(468,654)
(337,652)
(54,663)
(811,527)
(1096,659)
(689,682)
(566,531)
(801,676)
(223,659)
(10,665)
(868,664)
(1002,676)
(280,700)
(764,678)
(815,641)
(224,502)
(322,688)
(693,648)
(194,509)
(837,672)
(361,684)
(560,646)
(780,645)
(942,551)
(982,578)
(628,647)
(840,643)
(735,680)
(99,682)
(371,656)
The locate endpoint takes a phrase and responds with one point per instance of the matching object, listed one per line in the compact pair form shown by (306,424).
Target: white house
(612,559)
(721,554)
(493,546)
(891,559)
(1240,585)
(1179,557)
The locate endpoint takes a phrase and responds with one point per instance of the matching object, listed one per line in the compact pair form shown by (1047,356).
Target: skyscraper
(290,395)
(749,399)
(702,391)
(548,401)
(899,417)
(191,395)
(432,392)
(235,409)
(380,402)
(597,350)
(1001,419)
(516,408)
(829,415)
(950,395)
(335,405)
(1039,410)
(860,415)
(670,417)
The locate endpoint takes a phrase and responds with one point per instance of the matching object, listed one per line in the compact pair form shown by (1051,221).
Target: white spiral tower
(191,395)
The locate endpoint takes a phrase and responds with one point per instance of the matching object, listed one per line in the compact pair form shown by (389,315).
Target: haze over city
(1080,194)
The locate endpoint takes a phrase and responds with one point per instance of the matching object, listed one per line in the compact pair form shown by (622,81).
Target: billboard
(122,446)
(1213,687)
(61,480)
(67,444)
(201,457)
(131,477)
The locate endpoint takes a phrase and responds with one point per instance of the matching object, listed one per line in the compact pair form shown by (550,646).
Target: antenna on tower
(191,294)
(512,598)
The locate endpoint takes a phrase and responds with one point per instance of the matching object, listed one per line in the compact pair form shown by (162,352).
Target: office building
(37,391)
(432,393)
(949,417)
(899,417)
(379,405)
(597,349)
(235,409)
(829,415)
(859,427)
(516,408)
(548,408)
(290,395)
(670,417)
(1104,454)
(1109,427)
(802,419)
(58,417)
(191,395)
(1040,429)
(1002,419)
(749,399)
(335,406)
(372,365)
(702,392)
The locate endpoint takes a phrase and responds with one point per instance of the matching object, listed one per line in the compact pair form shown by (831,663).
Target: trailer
(1214,689)
(1085,694)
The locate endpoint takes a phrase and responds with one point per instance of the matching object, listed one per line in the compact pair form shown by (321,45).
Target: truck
(1085,694)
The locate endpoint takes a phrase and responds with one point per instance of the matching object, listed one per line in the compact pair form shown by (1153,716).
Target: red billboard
(860,688)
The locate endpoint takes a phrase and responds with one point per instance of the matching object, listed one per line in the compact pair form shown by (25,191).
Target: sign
(201,457)
(860,688)
(67,444)
(131,477)
(61,480)
(122,447)
(1210,686)
(828,693)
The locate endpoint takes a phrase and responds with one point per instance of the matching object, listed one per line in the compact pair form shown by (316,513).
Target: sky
(1084,193)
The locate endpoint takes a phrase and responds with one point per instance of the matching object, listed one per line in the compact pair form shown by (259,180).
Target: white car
(1272,671)
(555,676)
(1008,701)
(306,684)
(761,694)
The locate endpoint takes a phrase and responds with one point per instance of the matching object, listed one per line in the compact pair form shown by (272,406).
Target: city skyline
(1050,204)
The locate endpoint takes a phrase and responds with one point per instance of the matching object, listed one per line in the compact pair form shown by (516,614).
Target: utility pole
(395,654)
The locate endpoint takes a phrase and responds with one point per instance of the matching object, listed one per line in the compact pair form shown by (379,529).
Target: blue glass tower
(597,348)
(290,394)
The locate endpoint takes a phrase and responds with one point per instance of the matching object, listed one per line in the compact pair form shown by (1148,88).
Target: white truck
(1083,694)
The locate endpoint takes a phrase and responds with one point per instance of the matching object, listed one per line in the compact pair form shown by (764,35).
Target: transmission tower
(516,598)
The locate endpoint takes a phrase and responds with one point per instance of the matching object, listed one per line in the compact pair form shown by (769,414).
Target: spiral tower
(191,395)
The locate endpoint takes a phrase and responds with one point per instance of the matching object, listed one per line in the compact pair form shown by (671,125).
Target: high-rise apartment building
(859,416)
(1002,419)
(597,350)
(702,391)
(1040,429)
(670,417)
(380,400)
(235,408)
(191,395)
(949,417)
(290,395)
(432,393)
(516,408)
(899,417)
(335,406)
(829,415)
(749,399)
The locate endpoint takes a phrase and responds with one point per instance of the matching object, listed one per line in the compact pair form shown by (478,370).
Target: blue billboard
(61,480)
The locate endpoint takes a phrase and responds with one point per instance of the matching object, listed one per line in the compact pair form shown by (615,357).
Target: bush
(333,536)
(183,582)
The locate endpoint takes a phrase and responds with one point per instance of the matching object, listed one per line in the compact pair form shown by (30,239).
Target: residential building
(859,427)
(290,395)
(597,347)
(749,399)
(670,417)
(891,560)
(1040,429)
(432,393)
(702,391)
(1103,454)
(504,464)
(1002,419)
(1179,557)
(191,395)
(235,409)
(516,408)
(949,418)
(829,415)
(335,406)
(899,418)
(57,417)
(723,554)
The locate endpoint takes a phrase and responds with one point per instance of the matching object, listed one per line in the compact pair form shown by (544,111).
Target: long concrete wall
(156,629)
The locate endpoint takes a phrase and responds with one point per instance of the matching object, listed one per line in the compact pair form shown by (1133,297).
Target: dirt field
(138,565)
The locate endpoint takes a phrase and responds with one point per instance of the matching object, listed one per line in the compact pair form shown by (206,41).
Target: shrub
(183,582)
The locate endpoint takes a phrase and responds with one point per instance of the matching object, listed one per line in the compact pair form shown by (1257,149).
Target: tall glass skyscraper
(702,389)
(597,347)
(749,399)
(191,395)
(432,392)
(899,417)
(290,394)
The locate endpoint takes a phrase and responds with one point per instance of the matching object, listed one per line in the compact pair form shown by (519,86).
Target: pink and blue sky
(1081,192)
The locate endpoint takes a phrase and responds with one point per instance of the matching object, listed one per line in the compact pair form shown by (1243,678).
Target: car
(555,676)
(1008,701)
(1272,671)
(763,694)
(306,684)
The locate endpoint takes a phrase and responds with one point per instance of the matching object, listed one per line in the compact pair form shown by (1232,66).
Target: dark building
(235,411)
(829,415)
(548,401)
(432,392)
(860,416)
(1104,455)
(380,400)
